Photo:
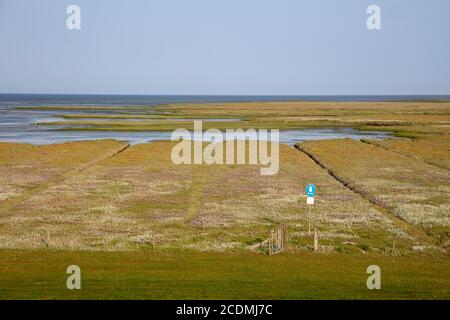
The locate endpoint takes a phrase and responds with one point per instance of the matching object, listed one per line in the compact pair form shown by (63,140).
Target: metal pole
(314,220)
(309,220)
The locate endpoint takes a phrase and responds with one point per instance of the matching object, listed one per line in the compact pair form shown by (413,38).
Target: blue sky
(265,47)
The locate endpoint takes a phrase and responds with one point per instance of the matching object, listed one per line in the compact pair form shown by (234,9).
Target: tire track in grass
(11,203)
(418,233)
(196,194)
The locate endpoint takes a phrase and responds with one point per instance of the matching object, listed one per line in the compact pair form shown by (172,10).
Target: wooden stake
(279,239)
(393,246)
(316,241)
(46,239)
(270,242)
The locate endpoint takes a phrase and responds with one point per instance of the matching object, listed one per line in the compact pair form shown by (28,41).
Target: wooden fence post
(277,240)
(316,241)
(270,243)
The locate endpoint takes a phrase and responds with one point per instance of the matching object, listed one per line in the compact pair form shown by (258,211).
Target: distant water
(151,100)
(42,137)
(16,125)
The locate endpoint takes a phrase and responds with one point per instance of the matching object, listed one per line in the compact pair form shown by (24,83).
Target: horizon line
(230,95)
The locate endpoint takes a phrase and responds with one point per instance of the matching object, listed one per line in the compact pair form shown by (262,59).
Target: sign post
(309,221)
(310,193)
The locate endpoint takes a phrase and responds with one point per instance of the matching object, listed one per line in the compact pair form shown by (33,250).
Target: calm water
(17,125)
(121,100)
(41,137)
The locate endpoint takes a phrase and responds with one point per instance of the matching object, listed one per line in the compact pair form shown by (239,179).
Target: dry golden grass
(24,167)
(433,150)
(316,108)
(416,192)
(411,117)
(138,199)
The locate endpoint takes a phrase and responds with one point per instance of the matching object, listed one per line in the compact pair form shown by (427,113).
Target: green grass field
(146,275)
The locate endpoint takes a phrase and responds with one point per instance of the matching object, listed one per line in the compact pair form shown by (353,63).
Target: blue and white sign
(310,190)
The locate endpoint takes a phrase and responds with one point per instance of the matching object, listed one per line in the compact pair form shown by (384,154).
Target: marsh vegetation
(105,196)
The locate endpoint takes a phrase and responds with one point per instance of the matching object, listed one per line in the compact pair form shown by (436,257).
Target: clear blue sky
(267,47)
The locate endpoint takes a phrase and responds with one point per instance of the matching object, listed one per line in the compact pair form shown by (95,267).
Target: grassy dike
(146,275)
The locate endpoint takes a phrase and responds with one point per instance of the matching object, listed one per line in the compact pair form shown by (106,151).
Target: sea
(18,125)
